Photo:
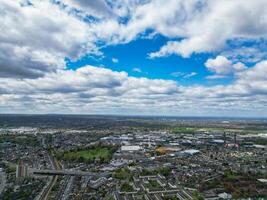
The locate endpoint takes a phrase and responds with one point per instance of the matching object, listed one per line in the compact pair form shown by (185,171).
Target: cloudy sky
(136,57)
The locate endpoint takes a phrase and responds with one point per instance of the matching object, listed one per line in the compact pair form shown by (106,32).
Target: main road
(55,166)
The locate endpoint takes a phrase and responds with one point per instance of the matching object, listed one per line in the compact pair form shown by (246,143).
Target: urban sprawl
(133,162)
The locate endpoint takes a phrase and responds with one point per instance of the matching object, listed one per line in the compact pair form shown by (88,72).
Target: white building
(130,148)
(190,152)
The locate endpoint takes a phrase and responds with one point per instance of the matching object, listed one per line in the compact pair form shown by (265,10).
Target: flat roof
(190,151)
(130,148)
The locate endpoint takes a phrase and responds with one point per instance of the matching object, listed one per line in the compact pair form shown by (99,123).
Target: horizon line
(137,115)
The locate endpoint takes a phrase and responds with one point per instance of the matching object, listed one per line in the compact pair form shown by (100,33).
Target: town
(133,161)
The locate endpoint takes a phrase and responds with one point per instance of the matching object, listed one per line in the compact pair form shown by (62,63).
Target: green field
(239,130)
(183,130)
(101,154)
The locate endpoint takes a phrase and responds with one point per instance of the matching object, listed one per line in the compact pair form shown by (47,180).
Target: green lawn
(103,154)
(183,130)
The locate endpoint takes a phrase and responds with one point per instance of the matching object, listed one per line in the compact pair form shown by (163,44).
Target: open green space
(187,130)
(240,130)
(92,154)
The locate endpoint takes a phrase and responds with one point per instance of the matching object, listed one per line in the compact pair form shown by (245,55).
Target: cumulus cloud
(222,66)
(92,89)
(207,25)
(97,8)
(37,38)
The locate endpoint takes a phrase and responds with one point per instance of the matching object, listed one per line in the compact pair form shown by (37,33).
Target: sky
(134,57)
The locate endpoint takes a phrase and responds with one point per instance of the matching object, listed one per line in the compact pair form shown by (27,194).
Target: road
(2,181)
(55,166)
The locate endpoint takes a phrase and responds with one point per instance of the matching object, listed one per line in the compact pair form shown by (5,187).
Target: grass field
(191,130)
(102,154)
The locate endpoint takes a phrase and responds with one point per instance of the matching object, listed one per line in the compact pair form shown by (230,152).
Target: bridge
(66,172)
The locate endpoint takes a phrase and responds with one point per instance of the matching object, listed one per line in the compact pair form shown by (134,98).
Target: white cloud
(207,25)
(136,69)
(95,89)
(222,66)
(177,74)
(115,60)
(185,47)
(36,39)
(215,77)
(189,75)
(183,74)
(98,8)
(240,53)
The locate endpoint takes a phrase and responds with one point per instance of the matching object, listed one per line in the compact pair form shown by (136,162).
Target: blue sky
(153,57)
(135,55)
